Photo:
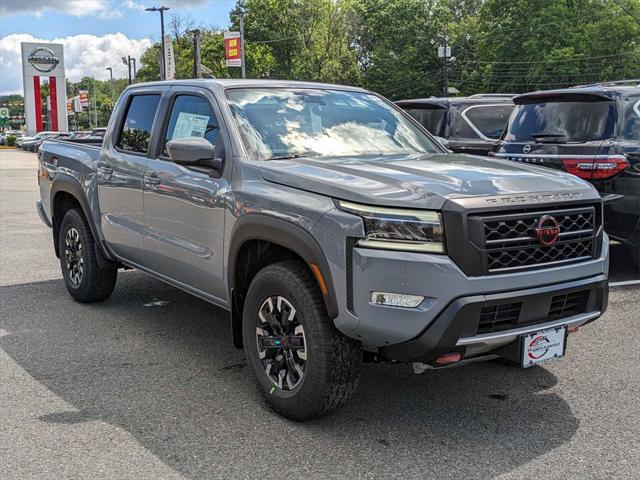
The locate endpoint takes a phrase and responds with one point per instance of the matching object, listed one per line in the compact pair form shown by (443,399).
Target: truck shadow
(159,363)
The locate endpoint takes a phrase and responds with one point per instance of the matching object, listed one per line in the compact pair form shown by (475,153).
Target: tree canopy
(391,46)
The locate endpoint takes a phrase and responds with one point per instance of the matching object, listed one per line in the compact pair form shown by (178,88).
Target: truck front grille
(568,304)
(509,241)
(507,316)
(499,317)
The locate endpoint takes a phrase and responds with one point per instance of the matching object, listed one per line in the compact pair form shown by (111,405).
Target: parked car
(30,145)
(466,124)
(28,139)
(592,132)
(332,227)
(34,146)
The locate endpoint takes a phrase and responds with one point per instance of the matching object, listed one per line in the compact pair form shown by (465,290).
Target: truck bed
(77,161)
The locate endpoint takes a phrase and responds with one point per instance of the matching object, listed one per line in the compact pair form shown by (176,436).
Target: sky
(95,33)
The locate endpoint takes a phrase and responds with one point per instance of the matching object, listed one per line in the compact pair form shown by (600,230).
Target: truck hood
(416,181)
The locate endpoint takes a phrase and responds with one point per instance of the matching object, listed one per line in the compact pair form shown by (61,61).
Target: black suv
(592,132)
(468,124)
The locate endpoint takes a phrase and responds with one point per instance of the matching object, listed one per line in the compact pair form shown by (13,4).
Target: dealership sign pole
(44,59)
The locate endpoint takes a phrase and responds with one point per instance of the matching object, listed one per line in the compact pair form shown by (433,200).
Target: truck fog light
(396,299)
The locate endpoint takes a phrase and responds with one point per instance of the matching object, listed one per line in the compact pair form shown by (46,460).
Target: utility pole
(162,59)
(242,62)
(446,62)
(95,104)
(196,54)
(444,52)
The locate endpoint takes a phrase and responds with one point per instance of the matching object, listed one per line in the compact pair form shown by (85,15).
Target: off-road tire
(96,284)
(333,361)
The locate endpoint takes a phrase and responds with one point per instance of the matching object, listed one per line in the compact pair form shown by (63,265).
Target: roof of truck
(223,83)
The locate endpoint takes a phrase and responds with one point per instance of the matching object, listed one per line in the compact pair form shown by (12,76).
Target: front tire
(84,279)
(303,366)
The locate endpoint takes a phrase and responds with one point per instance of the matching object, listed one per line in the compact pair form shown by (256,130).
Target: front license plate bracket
(538,348)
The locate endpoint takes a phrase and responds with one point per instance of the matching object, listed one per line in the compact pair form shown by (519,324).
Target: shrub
(10,140)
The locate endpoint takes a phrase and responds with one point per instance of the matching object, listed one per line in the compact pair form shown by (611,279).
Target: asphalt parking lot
(147,385)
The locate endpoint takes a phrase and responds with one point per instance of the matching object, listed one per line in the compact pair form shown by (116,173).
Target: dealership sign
(44,62)
(43,59)
(232,49)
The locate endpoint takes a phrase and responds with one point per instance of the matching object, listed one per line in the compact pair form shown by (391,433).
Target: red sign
(232,49)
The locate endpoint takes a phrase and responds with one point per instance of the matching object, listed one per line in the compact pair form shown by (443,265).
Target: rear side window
(136,129)
(433,119)
(191,116)
(489,120)
(562,121)
(631,122)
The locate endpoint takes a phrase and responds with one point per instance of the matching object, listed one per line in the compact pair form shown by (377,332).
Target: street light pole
(163,60)
(127,61)
(111,81)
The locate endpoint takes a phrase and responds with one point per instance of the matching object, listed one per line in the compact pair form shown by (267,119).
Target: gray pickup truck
(333,228)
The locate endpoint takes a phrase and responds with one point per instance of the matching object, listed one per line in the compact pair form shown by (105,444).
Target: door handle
(104,173)
(151,181)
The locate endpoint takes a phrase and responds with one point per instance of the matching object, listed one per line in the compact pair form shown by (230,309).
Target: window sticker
(190,125)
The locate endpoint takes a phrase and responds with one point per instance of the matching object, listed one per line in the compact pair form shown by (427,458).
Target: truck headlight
(399,229)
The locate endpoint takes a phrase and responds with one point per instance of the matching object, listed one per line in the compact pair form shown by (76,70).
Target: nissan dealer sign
(44,62)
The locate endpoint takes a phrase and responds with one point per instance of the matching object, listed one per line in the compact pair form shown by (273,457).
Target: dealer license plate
(543,346)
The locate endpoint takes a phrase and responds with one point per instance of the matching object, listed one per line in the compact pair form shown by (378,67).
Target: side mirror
(194,152)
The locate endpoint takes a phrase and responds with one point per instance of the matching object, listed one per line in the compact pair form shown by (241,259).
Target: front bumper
(456,328)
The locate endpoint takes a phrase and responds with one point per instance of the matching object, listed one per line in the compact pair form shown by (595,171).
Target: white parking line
(3,333)
(625,283)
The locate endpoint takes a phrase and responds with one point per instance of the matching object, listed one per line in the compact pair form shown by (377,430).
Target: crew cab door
(120,172)
(184,206)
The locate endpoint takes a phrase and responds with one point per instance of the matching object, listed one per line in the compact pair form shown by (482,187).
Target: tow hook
(441,361)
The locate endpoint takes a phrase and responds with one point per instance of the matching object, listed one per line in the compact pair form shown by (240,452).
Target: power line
(549,61)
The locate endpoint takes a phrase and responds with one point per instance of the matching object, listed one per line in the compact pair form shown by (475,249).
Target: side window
(136,129)
(490,120)
(433,119)
(191,116)
(631,122)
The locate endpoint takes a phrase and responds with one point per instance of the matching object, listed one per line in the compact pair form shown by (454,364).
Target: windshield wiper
(547,134)
(553,136)
(287,157)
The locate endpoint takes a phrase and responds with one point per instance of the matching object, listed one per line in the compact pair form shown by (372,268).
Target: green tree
(524,45)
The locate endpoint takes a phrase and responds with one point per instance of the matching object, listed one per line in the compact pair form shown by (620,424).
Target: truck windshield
(281,123)
(561,121)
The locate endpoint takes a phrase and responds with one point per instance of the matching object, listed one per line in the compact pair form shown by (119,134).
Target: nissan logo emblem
(547,230)
(43,59)
(526,149)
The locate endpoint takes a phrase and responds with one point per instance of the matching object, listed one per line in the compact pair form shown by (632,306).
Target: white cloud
(84,55)
(78,8)
(142,4)
(82,8)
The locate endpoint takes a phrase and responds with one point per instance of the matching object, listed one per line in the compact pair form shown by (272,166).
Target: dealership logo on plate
(43,59)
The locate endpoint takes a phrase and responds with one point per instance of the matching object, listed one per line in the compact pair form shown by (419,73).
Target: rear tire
(286,329)
(85,281)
